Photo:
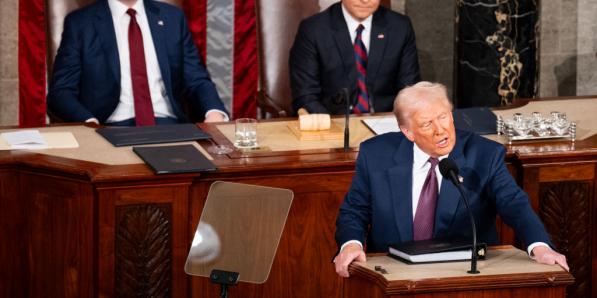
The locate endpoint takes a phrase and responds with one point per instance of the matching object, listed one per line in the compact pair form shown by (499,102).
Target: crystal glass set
(555,125)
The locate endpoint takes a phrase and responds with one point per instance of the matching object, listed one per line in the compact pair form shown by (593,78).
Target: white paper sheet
(25,139)
(382,125)
(30,141)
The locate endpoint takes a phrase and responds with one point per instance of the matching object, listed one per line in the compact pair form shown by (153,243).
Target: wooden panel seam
(567,173)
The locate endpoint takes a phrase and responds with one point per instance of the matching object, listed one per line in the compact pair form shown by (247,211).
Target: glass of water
(245,133)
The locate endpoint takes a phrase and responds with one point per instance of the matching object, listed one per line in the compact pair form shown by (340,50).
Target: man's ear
(408,133)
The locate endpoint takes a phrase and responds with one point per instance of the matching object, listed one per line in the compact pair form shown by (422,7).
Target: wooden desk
(507,272)
(83,226)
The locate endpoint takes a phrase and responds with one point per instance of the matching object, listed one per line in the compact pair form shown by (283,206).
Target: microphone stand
(470,214)
(344,94)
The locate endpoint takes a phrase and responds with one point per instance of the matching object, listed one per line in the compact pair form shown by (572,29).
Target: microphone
(449,170)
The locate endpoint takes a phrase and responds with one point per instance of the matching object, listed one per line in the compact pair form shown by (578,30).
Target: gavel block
(311,122)
(315,127)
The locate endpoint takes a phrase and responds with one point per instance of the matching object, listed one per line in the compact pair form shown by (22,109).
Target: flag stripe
(32,63)
(196,13)
(245,60)
(219,47)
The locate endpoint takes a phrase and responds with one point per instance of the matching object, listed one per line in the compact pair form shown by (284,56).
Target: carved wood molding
(565,210)
(143,251)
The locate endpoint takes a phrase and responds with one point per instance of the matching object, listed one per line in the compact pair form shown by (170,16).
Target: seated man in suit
(130,62)
(354,44)
(398,194)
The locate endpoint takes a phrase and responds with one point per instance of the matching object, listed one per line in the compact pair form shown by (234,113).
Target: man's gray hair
(409,98)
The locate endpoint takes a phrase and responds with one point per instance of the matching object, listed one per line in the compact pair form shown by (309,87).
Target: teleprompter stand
(225,279)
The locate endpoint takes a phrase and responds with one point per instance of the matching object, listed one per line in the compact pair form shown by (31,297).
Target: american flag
(225,32)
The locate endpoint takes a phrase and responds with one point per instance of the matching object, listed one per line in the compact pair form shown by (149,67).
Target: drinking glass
(245,133)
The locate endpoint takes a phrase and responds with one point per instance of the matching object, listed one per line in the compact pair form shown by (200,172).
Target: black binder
(125,136)
(174,159)
(435,250)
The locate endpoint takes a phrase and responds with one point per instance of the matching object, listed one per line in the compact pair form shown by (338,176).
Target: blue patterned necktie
(425,214)
(360,54)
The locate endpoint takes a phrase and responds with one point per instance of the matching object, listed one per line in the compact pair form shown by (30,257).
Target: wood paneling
(59,236)
(307,246)
(563,197)
(567,173)
(13,239)
(121,210)
(565,211)
(143,251)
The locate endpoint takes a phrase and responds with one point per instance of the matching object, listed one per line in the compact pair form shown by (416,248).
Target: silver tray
(531,137)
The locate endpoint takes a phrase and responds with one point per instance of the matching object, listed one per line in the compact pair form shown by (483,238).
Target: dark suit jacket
(322,61)
(381,195)
(86,77)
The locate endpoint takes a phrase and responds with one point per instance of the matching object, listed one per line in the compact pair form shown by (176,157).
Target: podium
(506,272)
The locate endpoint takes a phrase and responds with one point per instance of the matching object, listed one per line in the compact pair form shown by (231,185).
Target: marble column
(587,48)
(496,51)
(9,74)
(433,22)
(398,5)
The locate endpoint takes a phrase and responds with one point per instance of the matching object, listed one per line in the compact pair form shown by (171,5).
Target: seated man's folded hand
(215,116)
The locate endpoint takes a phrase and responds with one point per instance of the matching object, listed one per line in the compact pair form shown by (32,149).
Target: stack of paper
(34,140)
(25,139)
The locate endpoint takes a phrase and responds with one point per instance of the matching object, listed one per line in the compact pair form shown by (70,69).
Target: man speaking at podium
(398,195)
(130,62)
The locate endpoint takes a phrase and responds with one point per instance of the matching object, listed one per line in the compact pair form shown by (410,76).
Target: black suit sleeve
(63,95)
(355,212)
(304,72)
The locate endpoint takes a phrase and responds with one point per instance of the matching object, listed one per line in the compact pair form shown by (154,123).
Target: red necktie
(425,215)
(142,98)
(360,55)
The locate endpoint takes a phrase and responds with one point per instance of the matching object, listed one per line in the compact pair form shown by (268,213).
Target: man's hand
(214,117)
(92,120)
(349,253)
(546,255)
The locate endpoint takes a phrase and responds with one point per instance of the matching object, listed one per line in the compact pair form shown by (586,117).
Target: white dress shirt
(157,89)
(420,169)
(159,97)
(353,24)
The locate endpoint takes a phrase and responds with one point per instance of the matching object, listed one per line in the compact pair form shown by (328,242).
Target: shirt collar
(353,23)
(420,158)
(118,9)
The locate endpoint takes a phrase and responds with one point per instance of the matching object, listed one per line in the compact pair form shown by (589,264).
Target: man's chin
(444,150)
(363,15)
